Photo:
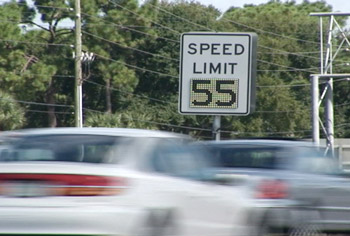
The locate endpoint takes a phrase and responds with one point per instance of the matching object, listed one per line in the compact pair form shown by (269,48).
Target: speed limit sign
(217,73)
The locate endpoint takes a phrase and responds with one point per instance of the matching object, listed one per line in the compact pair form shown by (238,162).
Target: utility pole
(78,71)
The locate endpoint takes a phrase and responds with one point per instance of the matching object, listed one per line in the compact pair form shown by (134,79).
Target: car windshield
(298,158)
(69,148)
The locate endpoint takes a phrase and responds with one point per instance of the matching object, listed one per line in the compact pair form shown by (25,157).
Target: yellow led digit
(214,93)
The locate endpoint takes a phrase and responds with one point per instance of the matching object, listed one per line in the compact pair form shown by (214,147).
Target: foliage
(133,79)
(11,113)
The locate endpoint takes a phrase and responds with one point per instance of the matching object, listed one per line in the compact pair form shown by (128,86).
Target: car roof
(128,132)
(260,142)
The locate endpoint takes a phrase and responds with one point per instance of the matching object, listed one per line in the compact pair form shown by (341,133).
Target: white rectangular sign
(217,73)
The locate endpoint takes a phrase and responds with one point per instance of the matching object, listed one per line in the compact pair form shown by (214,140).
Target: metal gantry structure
(326,76)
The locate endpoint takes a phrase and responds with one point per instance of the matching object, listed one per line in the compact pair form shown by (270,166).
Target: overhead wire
(289,67)
(127,47)
(36,43)
(36,103)
(158,100)
(188,21)
(128,28)
(116,4)
(56,112)
(135,67)
(136,95)
(44,6)
(134,13)
(181,18)
(157,123)
(271,33)
(296,69)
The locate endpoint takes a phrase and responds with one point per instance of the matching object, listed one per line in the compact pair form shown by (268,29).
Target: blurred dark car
(292,187)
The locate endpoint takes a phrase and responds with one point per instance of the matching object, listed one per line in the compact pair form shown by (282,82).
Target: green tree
(11,113)
(31,57)
(54,57)
(107,33)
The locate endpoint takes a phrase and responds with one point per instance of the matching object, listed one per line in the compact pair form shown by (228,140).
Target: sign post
(217,73)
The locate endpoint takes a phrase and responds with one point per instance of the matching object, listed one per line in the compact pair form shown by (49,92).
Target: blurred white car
(109,181)
(292,187)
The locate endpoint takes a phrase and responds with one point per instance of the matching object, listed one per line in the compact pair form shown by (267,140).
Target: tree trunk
(50,98)
(108,97)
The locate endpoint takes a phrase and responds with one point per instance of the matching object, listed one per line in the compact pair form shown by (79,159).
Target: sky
(223,5)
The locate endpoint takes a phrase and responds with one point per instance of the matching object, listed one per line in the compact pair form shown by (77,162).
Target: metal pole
(329,118)
(315,110)
(216,127)
(329,115)
(78,71)
(328,58)
(321,45)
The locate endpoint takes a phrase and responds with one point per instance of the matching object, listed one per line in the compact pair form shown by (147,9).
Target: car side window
(176,160)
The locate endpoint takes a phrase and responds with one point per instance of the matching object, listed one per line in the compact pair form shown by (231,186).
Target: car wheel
(268,230)
(158,223)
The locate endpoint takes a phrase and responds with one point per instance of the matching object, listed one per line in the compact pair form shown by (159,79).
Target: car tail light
(61,184)
(272,189)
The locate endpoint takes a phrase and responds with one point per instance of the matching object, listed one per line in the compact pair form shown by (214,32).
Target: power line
(208,130)
(181,18)
(292,53)
(284,85)
(279,65)
(56,112)
(34,43)
(49,7)
(123,27)
(341,125)
(256,29)
(343,104)
(265,132)
(282,52)
(267,71)
(70,9)
(136,95)
(158,100)
(134,13)
(268,32)
(131,48)
(59,76)
(136,67)
(159,123)
(36,103)
(188,21)
(141,51)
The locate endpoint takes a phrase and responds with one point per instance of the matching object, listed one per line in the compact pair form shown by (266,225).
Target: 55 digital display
(214,93)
